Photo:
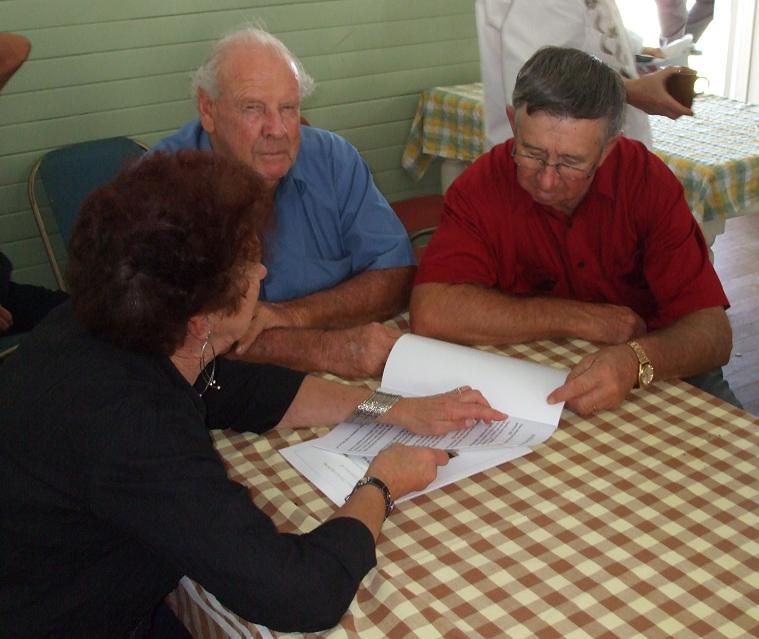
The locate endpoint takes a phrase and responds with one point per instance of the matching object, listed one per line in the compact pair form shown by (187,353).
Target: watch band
(368,480)
(645,367)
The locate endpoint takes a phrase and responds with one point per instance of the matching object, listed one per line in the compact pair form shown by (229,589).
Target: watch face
(646,375)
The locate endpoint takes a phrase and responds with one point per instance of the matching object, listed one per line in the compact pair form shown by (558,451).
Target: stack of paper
(421,366)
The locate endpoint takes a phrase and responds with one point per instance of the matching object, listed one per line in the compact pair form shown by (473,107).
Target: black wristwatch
(377,483)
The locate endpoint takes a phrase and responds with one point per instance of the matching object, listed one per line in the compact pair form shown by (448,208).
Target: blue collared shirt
(332,222)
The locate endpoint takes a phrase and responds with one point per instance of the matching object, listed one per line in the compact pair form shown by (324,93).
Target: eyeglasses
(565,171)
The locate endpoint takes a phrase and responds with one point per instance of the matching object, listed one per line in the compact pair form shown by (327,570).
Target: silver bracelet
(374,406)
(368,480)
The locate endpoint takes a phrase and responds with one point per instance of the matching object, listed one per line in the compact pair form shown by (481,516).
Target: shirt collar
(295,176)
(204,142)
(297,173)
(604,182)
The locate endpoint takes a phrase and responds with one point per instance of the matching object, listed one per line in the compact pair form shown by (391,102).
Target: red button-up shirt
(631,240)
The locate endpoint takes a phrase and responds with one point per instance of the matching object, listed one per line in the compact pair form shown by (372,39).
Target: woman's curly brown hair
(168,238)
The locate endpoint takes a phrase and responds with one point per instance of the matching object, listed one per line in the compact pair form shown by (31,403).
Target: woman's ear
(199,326)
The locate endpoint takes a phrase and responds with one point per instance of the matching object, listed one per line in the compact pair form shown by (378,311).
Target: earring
(209,379)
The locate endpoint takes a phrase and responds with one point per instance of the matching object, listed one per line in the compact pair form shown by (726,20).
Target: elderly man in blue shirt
(338,258)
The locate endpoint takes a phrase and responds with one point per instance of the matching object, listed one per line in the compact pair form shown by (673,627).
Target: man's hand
(358,352)
(267,315)
(649,93)
(599,381)
(6,320)
(610,324)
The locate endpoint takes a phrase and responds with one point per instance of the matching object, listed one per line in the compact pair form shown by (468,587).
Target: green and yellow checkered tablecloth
(448,123)
(715,155)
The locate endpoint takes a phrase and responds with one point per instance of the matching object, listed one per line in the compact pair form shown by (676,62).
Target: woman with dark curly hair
(110,489)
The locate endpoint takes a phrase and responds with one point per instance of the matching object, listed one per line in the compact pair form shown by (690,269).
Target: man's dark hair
(170,237)
(566,82)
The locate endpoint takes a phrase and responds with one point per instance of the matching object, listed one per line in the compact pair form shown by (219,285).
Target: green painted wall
(121,67)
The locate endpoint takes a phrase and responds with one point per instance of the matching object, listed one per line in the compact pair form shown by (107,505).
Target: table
(641,522)
(715,155)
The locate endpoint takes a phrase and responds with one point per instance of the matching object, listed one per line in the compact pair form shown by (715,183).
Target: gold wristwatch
(645,367)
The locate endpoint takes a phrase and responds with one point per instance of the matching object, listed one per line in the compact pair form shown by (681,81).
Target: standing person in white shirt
(510,31)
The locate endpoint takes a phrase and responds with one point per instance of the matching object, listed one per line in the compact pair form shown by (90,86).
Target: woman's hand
(405,469)
(438,414)
(649,93)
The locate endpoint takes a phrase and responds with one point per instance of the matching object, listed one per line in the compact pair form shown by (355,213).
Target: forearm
(369,296)
(368,506)
(298,348)
(696,343)
(320,402)
(357,352)
(635,91)
(471,314)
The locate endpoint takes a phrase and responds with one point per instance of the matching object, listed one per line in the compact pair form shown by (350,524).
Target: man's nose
(274,123)
(548,177)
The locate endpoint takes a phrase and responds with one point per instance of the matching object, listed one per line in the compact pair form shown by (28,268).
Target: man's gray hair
(206,77)
(566,82)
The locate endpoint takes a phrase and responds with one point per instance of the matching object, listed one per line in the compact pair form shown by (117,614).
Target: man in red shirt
(571,230)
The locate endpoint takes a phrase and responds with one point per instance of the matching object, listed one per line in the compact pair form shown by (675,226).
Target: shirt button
(581,264)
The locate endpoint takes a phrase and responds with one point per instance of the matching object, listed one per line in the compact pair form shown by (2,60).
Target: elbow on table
(723,344)
(328,601)
(726,347)
(424,316)
(313,607)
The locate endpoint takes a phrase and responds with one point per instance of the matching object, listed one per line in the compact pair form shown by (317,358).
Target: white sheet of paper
(369,440)
(335,474)
(423,366)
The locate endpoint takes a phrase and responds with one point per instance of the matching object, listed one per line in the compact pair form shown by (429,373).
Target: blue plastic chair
(67,175)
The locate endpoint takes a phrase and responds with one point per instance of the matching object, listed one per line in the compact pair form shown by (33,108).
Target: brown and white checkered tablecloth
(638,522)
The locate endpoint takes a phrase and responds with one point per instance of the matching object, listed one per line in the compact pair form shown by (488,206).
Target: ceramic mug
(682,85)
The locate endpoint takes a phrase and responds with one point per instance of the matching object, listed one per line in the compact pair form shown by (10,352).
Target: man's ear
(206,111)
(512,115)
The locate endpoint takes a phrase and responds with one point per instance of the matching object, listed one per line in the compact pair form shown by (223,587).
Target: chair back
(420,216)
(67,175)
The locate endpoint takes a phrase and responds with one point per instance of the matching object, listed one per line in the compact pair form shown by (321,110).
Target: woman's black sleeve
(253,397)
